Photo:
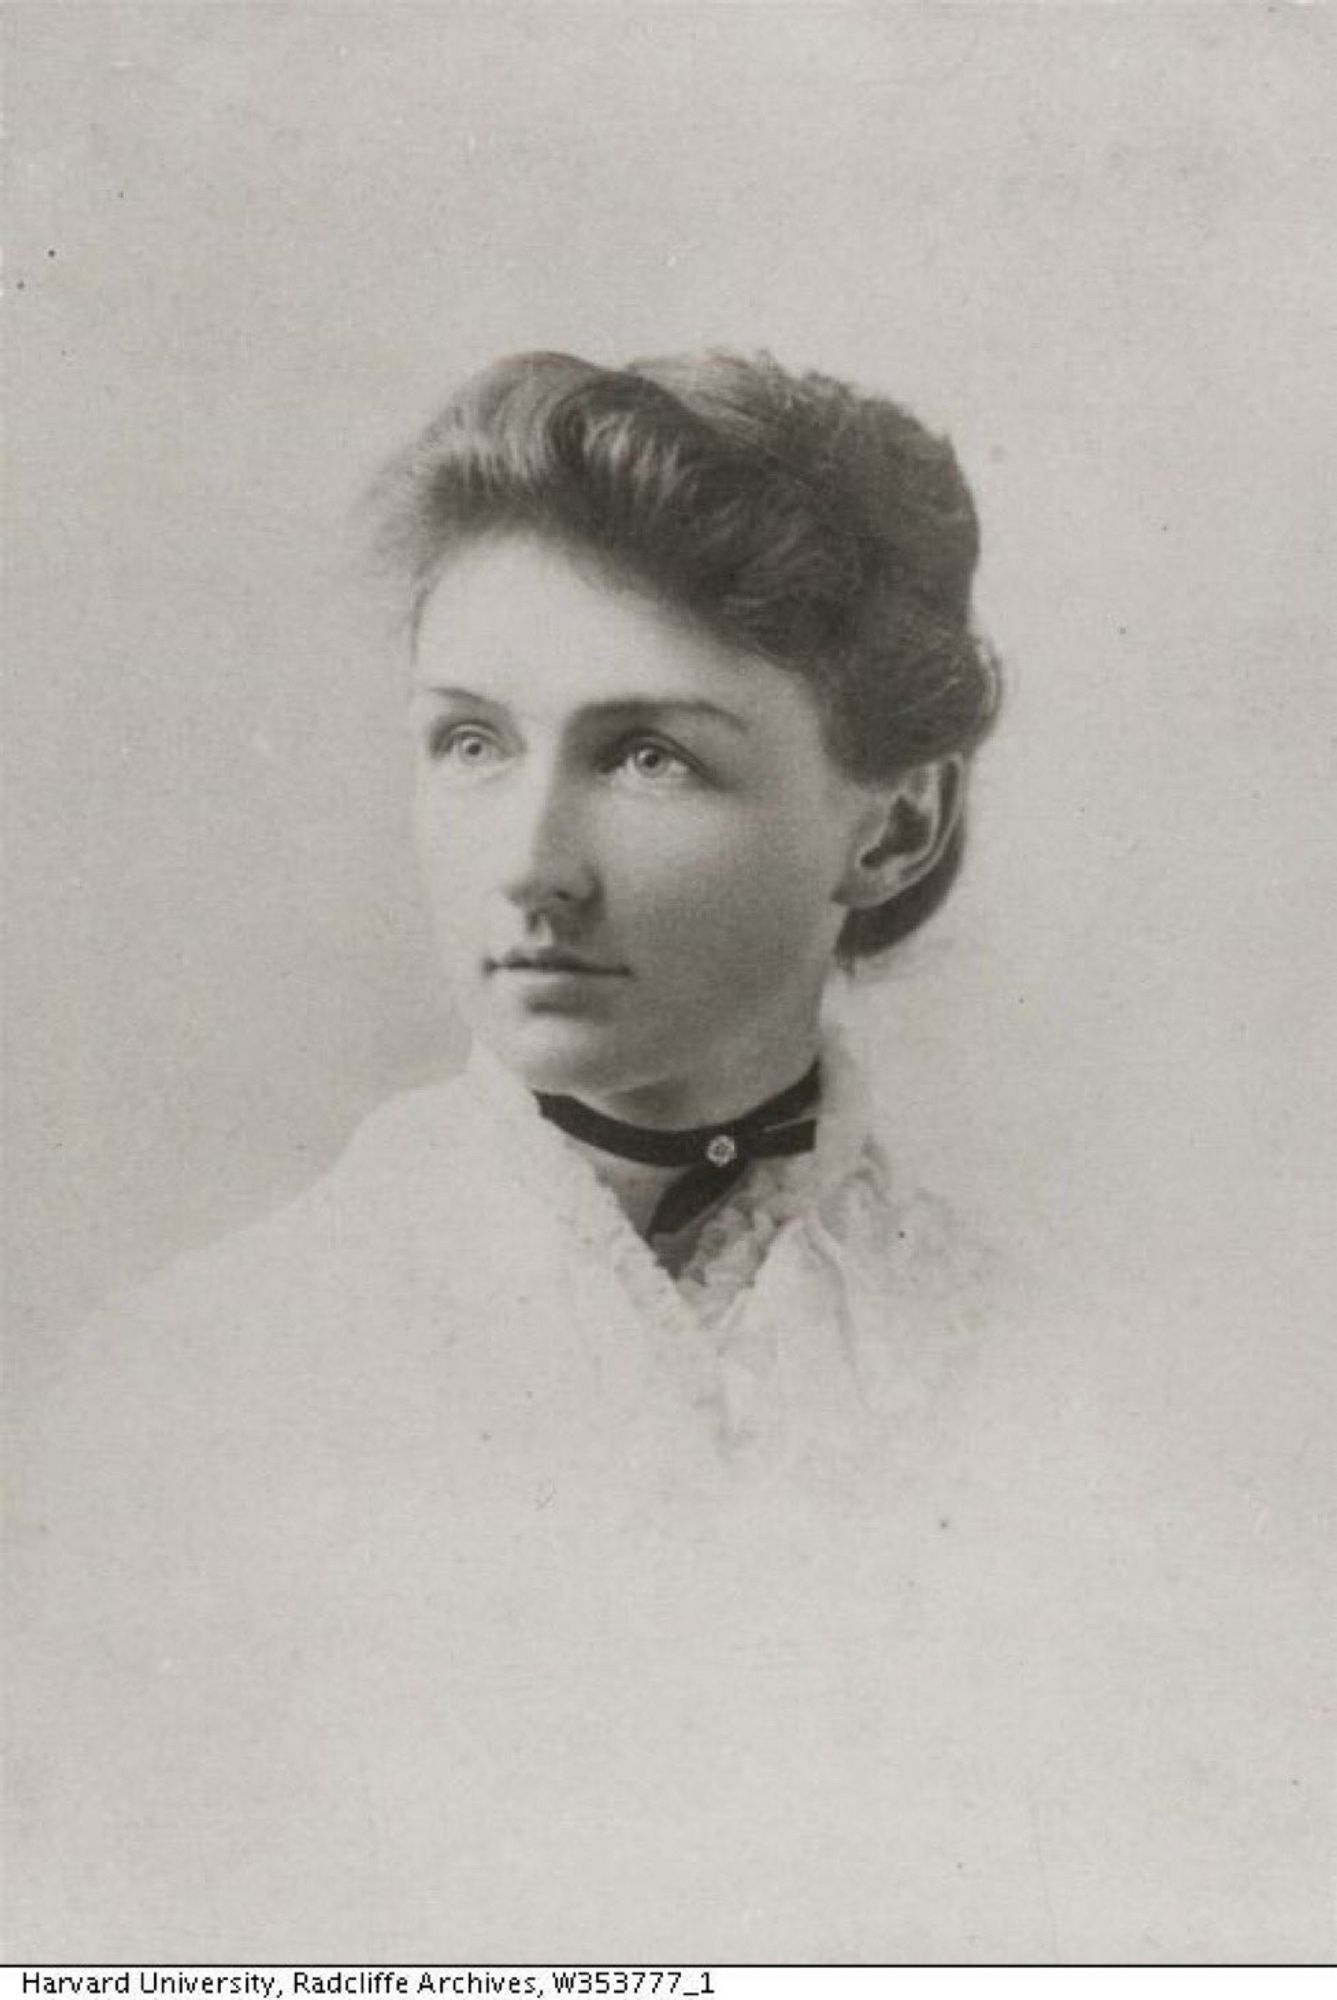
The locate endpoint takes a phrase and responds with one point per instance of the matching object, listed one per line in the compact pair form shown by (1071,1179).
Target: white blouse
(816,1297)
(425,1573)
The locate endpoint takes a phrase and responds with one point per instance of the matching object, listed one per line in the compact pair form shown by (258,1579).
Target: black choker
(717,1156)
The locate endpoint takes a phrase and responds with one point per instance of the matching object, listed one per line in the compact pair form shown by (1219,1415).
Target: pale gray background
(250,247)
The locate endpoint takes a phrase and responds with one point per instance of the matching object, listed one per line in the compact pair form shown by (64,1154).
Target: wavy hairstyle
(795,518)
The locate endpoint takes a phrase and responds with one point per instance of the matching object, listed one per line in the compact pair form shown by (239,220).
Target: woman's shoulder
(244,1356)
(411,1142)
(304,1269)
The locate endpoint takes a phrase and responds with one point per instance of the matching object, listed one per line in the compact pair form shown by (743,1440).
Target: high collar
(711,1158)
(700,1311)
(551,1161)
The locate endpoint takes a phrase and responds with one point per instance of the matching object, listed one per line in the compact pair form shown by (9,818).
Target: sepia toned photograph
(670,858)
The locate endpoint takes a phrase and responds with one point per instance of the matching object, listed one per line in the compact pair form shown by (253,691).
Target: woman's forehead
(522,624)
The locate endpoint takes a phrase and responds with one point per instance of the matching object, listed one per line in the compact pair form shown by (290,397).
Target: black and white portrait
(671,742)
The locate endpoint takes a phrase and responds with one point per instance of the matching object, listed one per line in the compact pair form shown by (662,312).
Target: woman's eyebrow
(633,708)
(460,694)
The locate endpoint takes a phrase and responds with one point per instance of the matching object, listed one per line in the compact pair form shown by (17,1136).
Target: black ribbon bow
(716,1156)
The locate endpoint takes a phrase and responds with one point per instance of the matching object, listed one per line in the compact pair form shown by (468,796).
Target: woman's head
(699,528)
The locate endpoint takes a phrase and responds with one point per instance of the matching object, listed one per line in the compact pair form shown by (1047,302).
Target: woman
(422,1510)
(587,1523)
(694,693)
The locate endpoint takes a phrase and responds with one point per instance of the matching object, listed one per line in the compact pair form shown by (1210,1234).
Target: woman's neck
(732,1083)
(638,1186)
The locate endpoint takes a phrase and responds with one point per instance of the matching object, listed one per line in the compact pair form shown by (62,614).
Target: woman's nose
(548,862)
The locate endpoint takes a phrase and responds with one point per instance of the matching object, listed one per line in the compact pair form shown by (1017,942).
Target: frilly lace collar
(735,1238)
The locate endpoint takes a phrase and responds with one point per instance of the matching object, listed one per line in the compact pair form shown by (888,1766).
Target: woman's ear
(904,832)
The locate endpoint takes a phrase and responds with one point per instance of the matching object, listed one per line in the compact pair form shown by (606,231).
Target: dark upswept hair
(793,517)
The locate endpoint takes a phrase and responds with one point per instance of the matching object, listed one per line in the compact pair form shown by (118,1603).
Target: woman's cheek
(686,872)
(715,909)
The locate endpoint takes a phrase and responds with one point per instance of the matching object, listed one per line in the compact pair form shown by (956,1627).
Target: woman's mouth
(555,961)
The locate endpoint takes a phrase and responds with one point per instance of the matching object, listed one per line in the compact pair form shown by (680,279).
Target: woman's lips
(555,962)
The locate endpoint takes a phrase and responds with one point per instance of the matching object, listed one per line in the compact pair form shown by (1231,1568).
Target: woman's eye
(654,762)
(464,745)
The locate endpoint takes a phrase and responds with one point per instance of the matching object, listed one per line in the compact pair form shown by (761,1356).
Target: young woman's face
(634,840)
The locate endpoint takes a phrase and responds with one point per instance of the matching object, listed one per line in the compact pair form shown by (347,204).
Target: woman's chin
(558,1054)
